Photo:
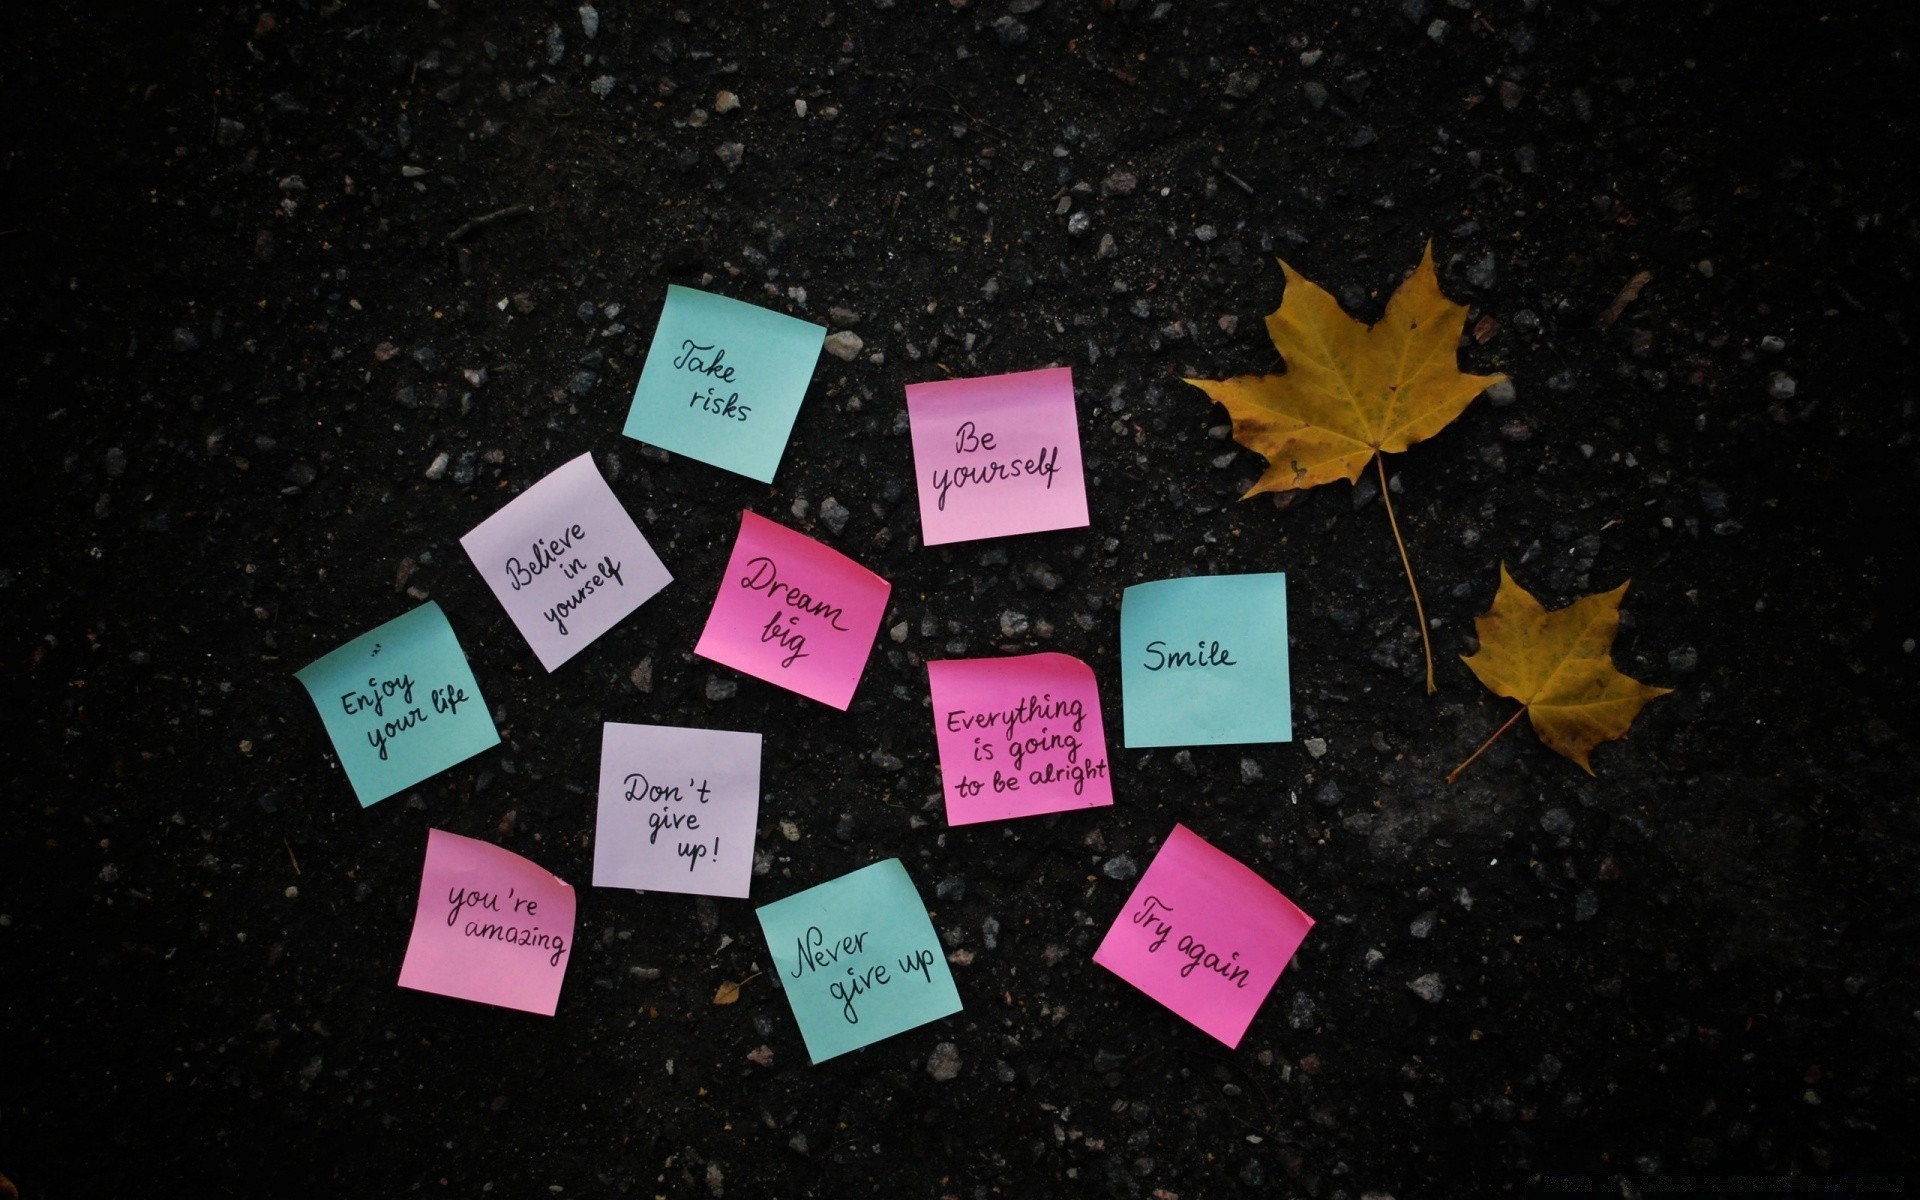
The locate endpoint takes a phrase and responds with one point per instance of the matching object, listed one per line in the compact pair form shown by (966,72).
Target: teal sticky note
(858,959)
(400,703)
(1203,661)
(723,381)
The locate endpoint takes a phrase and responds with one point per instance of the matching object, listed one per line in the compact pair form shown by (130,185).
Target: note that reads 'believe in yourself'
(794,612)
(723,381)
(1204,935)
(1203,661)
(678,809)
(566,561)
(858,959)
(400,703)
(997,455)
(489,926)
(1018,736)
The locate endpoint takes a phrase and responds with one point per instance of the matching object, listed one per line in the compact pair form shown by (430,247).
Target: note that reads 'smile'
(1203,661)
(794,612)
(858,959)
(400,703)
(997,455)
(1204,935)
(566,561)
(1018,736)
(489,926)
(678,809)
(723,381)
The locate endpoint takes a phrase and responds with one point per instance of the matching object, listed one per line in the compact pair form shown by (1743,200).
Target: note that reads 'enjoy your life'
(723,381)
(490,926)
(566,561)
(997,455)
(794,612)
(1204,935)
(400,703)
(678,809)
(1203,661)
(1018,736)
(858,959)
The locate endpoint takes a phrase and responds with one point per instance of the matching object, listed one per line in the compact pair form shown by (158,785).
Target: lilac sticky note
(678,809)
(794,612)
(1018,736)
(490,926)
(997,455)
(566,561)
(1203,935)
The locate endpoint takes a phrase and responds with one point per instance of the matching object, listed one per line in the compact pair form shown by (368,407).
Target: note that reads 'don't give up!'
(723,381)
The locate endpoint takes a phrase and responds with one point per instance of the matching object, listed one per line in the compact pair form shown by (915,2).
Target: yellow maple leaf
(1559,666)
(1352,392)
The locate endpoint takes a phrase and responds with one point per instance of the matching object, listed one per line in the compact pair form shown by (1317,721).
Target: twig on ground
(1628,295)
(476,224)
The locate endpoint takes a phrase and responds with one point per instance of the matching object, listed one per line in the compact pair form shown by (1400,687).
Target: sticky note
(1203,661)
(723,381)
(566,561)
(794,612)
(997,455)
(1204,935)
(490,926)
(678,809)
(858,960)
(400,703)
(1018,736)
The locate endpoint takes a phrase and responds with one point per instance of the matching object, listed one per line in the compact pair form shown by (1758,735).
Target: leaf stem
(1420,610)
(1455,773)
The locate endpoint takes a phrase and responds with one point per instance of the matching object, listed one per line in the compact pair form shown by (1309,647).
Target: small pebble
(1429,987)
(1423,924)
(834,515)
(844,345)
(1781,386)
(944,1063)
(589,21)
(438,468)
(725,102)
(1120,866)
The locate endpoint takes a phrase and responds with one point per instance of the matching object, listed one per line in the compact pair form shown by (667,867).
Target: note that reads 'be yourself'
(997,455)
(794,612)
(678,809)
(723,381)
(566,561)
(858,959)
(400,703)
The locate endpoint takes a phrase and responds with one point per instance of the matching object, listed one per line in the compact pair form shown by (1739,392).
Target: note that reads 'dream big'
(858,959)
(566,561)
(794,612)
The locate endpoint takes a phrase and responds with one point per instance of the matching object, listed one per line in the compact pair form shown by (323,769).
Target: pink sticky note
(794,612)
(1018,736)
(997,455)
(490,926)
(1203,935)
